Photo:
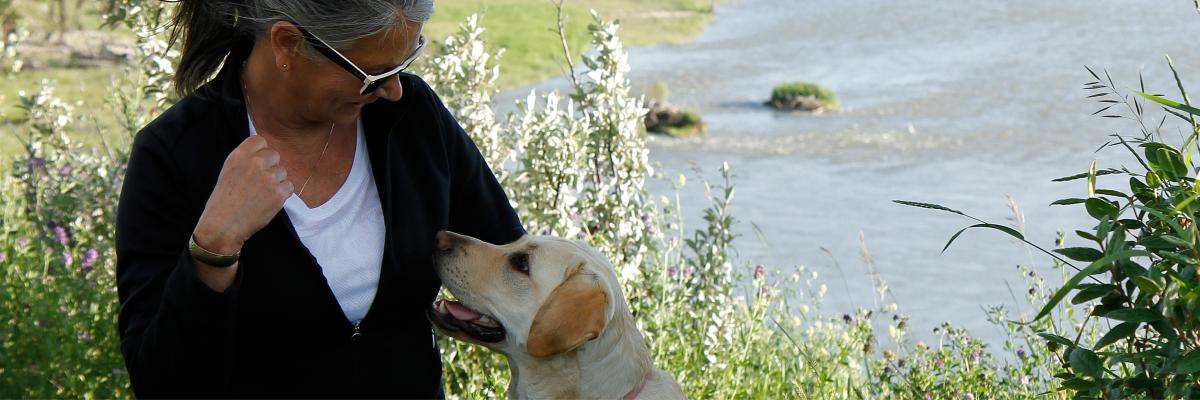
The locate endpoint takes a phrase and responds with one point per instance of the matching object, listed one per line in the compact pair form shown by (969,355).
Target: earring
(285,67)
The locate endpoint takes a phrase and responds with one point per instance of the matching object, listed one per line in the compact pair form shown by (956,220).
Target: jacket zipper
(357,331)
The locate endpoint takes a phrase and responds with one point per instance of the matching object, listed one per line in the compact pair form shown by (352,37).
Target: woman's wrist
(216,240)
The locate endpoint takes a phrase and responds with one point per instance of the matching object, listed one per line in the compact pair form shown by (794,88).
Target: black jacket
(279,331)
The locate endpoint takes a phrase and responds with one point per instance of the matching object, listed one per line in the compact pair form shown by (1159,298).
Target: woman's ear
(286,44)
(574,313)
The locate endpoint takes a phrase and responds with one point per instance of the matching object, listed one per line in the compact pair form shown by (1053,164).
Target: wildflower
(688,270)
(968,396)
(3,257)
(937,362)
(847,318)
(41,323)
(60,234)
(673,271)
(759,271)
(974,357)
(36,163)
(22,241)
(887,370)
(888,354)
(68,259)
(764,293)
(89,258)
(65,171)
(1021,353)
(927,396)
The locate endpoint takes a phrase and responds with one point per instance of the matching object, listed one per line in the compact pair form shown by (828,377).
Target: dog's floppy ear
(573,314)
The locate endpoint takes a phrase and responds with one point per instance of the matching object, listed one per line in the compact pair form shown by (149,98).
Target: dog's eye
(519,262)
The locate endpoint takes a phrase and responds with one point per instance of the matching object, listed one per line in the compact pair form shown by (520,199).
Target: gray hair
(211,28)
(339,23)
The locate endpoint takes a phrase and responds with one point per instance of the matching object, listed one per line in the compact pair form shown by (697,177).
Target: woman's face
(322,91)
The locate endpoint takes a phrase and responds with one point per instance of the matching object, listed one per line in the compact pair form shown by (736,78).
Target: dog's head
(539,295)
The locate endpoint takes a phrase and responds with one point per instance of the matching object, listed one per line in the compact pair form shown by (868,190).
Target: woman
(276,227)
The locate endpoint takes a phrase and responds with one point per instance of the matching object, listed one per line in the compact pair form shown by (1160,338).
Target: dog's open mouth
(452,316)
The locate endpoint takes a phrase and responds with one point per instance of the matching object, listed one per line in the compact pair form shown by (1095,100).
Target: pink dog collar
(637,390)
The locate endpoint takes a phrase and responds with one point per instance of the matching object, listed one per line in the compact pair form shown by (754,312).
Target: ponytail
(210,30)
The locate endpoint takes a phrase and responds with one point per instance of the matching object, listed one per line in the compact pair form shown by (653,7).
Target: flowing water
(960,103)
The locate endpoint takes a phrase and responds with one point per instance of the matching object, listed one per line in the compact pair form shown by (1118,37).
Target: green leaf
(1178,258)
(1092,292)
(1189,363)
(1001,228)
(1134,315)
(1078,384)
(1081,175)
(1087,235)
(1086,254)
(1171,103)
(1098,208)
(1066,202)
(1057,339)
(1085,361)
(1146,284)
(1092,268)
(1108,192)
(1121,331)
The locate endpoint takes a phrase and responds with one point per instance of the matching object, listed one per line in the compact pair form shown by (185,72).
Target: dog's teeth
(442,307)
(486,321)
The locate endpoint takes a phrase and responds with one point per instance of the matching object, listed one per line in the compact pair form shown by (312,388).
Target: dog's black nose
(444,241)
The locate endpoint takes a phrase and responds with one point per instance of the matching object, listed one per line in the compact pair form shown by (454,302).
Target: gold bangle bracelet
(203,255)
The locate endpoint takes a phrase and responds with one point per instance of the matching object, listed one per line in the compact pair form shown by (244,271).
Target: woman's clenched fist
(250,190)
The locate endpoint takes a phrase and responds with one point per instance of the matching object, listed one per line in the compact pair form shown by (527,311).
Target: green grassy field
(526,28)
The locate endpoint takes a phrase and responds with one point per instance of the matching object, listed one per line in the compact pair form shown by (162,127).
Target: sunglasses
(370,82)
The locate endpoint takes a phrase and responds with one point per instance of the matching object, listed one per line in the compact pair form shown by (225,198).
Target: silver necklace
(328,137)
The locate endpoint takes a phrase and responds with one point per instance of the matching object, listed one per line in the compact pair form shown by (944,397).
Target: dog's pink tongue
(460,312)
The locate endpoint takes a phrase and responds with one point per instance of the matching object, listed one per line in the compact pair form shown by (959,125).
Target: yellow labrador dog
(554,308)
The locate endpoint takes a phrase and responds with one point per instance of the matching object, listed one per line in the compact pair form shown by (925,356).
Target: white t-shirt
(345,234)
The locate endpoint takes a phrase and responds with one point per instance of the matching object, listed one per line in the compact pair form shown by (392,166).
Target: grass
(787,91)
(528,29)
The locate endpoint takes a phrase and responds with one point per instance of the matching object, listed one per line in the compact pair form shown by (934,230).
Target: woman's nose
(392,90)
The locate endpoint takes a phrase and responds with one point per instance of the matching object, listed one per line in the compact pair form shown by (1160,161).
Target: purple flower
(759,271)
(68,259)
(974,357)
(22,241)
(937,362)
(545,231)
(968,396)
(688,270)
(89,258)
(65,171)
(36,163)
(3,257)
(927,396)
(847,318)
(673,271)
(1021,353)
(764,293)
(60,234)
(41,323)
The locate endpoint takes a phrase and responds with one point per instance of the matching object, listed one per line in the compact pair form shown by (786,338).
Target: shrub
(802,95)
(1139,276)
